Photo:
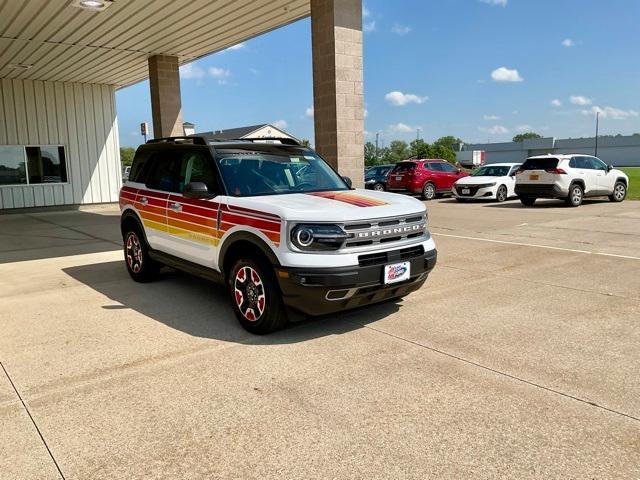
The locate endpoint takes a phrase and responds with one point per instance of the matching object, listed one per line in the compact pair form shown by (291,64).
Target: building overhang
(56,40)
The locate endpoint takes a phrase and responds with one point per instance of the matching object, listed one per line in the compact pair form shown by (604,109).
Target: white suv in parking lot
(569,177)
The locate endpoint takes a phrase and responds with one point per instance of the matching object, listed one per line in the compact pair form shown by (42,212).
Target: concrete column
(166,105)
(336,39)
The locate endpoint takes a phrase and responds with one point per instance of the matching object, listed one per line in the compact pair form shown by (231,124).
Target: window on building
(32,164)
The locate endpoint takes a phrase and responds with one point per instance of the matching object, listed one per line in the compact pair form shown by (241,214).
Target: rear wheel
(501,194)
(255,296)
(428,191)
(528,201)
(575,195)
(619,192)
(141,267)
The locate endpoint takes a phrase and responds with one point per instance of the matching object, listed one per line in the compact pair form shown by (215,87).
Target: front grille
(380,258)
(384,231)
(473,189)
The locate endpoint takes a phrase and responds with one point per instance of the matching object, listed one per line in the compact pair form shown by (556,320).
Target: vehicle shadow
(201,308)
(547,203)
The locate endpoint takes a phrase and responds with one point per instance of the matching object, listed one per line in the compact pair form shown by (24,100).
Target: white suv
(275,223)
(570,177)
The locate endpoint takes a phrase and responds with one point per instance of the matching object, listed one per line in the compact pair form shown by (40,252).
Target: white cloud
(220,74)
(366,113)
(556,103)
(237,46)
(401,29)
(567,42)
(370,26)
(190,71)
(365,11)
(309,112)
(281,124)
(504,74)
(402,128)
(491,117)
(524,128)
(494,3)
(400,99)
(579,100)
(611,113)
(495,130)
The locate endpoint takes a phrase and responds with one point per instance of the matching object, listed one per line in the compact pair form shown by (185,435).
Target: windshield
(489,171)
(247,173)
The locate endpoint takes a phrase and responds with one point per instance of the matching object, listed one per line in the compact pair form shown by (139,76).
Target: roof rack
(195,140)
(282,140)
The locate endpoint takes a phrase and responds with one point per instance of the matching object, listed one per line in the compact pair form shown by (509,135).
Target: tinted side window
(597,163)
(447,167)
(196,167)
(438,167)
(428,166)
(137,168)
(573,163)
(164,172)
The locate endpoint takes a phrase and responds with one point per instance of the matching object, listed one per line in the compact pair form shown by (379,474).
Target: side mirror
(348,181)
(609,167)
(458,169)
(196,190)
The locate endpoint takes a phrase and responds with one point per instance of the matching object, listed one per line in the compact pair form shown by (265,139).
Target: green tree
(305,143)
(526,136)
(443,152)
(126,155)
(419,148)
(448,141)
(370,154)
(398,151)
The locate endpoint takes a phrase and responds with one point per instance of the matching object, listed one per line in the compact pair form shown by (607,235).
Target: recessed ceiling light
(20,66)
(93,5)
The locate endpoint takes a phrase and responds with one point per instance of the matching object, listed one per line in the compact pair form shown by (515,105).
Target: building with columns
(62,61)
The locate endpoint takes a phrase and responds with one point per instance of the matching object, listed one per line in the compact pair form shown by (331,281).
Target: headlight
(318,237)
(371,180)
(485,185)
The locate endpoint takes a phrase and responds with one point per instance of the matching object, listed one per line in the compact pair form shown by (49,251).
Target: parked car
(569,177)
(496,182)
(238,212)
(125,172)
(375,178)
(428,177)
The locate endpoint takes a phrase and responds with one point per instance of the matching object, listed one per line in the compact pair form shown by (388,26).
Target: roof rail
(195,140)
(282,140)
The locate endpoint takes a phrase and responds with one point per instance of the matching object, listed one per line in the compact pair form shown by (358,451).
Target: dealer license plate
(465,191)
(397,272)
(534,177)
(398,178)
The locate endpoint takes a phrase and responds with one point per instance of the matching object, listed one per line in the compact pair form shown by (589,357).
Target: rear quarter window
(137,167)
(539,163)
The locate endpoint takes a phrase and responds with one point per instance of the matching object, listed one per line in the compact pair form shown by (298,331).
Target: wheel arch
(244,242)
(129,217)
(623,180)
(578,181)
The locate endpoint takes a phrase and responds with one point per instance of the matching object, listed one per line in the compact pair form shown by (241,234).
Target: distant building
(621,151)
(189,128)
(263,130)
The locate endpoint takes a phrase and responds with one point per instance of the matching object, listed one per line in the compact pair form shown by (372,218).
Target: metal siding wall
(81,117)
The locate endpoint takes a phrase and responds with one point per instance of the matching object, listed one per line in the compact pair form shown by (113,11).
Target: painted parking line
(533,245)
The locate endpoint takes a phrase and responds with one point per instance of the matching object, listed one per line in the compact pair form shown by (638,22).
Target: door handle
(143,201)
(176,207)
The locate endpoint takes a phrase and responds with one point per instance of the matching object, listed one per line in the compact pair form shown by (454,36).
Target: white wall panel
(81,117)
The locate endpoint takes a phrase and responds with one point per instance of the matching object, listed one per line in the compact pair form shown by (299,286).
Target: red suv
(426,177)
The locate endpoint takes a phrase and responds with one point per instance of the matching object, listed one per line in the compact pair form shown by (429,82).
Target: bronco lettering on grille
(383,232)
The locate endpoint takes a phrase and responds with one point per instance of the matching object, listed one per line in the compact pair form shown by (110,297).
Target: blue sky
(477,69)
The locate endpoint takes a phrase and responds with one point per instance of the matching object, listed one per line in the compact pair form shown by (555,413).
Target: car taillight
(557,171)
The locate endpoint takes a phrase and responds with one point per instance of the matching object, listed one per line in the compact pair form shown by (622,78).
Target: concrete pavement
(518,359)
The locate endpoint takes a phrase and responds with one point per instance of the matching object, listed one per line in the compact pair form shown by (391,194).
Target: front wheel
(428,191)
(575,196)
(619,192)
(379,187)
(255,296)
(501,194)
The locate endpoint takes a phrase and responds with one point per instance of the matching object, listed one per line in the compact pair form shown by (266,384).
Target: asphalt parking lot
(520,358)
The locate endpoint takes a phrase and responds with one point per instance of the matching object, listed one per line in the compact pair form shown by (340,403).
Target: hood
(469,180)
(335,206)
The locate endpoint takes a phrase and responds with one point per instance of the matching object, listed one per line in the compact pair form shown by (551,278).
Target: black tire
(576,194)
(528,201)
(141,267)
(255,296)
(502,194)
(428,191)
(379,187)
(619,192)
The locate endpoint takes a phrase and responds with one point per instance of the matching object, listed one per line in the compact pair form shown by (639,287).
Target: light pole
(597,122)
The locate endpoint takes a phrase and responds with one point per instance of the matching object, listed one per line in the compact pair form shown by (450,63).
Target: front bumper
(474,192)
(542,190)
(319,291)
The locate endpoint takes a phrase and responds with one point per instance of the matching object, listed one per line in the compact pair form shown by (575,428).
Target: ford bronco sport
(275,223)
